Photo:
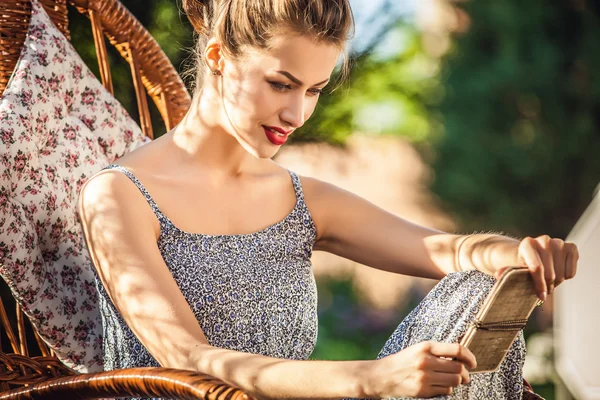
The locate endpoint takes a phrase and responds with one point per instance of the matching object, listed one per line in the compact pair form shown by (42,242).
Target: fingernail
(543,296)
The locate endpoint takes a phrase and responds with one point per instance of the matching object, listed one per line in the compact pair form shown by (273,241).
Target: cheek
(266,104)
(309,108)
(247,102)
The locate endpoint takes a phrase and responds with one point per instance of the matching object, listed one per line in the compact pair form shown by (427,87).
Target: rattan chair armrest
(135,382)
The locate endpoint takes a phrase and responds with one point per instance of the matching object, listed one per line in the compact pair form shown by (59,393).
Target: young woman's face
(266,97)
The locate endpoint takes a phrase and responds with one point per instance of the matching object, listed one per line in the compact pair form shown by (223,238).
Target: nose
(293,111)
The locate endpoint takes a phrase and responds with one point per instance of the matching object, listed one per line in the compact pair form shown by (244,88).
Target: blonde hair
(238,24)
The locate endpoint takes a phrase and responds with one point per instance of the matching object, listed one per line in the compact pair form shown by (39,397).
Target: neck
(202,141)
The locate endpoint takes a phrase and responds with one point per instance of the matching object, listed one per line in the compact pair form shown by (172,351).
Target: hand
(550,261)
(426,369)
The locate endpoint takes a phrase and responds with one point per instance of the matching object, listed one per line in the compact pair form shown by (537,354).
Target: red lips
(280,130)
(273,137)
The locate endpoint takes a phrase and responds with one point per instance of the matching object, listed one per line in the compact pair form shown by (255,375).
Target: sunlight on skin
(473,252)
(222,147)
(128,280)
(132,269)
(249,100)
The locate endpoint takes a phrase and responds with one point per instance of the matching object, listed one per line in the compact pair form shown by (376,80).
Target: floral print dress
(256,293)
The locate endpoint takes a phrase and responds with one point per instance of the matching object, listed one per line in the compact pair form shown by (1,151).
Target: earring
(216,72)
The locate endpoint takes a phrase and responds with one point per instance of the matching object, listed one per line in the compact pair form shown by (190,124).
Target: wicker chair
(44,377)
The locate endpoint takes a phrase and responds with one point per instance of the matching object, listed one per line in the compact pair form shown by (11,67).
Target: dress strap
(161,217)
(297,186)
(303,214)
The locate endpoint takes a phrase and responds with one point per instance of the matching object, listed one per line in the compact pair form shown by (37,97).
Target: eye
(280,87)
(315,92)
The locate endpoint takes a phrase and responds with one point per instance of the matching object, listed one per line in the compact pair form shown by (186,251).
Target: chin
(261,151)
(267,153)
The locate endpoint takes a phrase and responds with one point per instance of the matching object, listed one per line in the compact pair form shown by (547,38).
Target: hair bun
(198,12)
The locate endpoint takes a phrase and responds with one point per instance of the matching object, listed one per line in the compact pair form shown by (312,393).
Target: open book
(504,313)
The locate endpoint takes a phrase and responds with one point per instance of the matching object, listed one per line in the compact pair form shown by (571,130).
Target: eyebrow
(298,81)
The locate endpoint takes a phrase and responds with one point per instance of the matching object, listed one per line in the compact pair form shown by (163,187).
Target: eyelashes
(282,87)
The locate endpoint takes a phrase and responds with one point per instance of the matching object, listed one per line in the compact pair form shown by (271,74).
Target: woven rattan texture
(17,370)
(125,32)
(138,382)
(160,79)
(14,23)
(45,377)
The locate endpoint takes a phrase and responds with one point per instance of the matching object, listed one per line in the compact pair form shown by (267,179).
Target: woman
(203,266)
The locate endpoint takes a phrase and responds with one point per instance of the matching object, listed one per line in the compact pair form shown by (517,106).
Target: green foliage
(519,147)
(383,95)
(348,328)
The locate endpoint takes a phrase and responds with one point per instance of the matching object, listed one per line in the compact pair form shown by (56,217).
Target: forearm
(485,252)
(269,378)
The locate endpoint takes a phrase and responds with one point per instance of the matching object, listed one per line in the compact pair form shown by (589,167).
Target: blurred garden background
(462,115)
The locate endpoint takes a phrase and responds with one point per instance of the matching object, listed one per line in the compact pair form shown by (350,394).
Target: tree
(519,150)
(333,120)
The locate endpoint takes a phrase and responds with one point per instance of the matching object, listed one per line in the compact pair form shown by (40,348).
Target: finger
(572,260)
(560,260)
(446,380)
(451,367)
(546,254)
(534,263)
(455,351)
(499,272)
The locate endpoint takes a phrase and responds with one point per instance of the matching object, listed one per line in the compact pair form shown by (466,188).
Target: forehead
(308,60)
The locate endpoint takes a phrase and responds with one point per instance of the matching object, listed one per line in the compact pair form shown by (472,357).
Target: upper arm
(121,233)
(354,228)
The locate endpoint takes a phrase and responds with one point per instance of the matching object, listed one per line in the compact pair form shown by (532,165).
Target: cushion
(58,126)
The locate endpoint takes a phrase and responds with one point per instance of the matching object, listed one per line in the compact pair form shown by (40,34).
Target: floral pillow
(58,126)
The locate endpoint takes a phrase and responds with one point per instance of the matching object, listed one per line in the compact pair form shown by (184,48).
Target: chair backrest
(151,70)
(152,74)
(14,24)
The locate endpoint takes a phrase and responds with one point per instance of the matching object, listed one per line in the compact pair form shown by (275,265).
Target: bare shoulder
(113,188)
(315,188)
(326,202)
(319,193)
(105,185)
(145,156)
(324,197)
(111,195)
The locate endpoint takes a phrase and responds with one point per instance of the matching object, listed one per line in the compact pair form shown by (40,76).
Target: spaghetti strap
(161,217)
(252,292)
(297,186)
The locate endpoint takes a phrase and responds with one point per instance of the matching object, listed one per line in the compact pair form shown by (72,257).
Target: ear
(213,56)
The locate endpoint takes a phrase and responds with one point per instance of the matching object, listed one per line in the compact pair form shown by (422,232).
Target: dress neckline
(164,219)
